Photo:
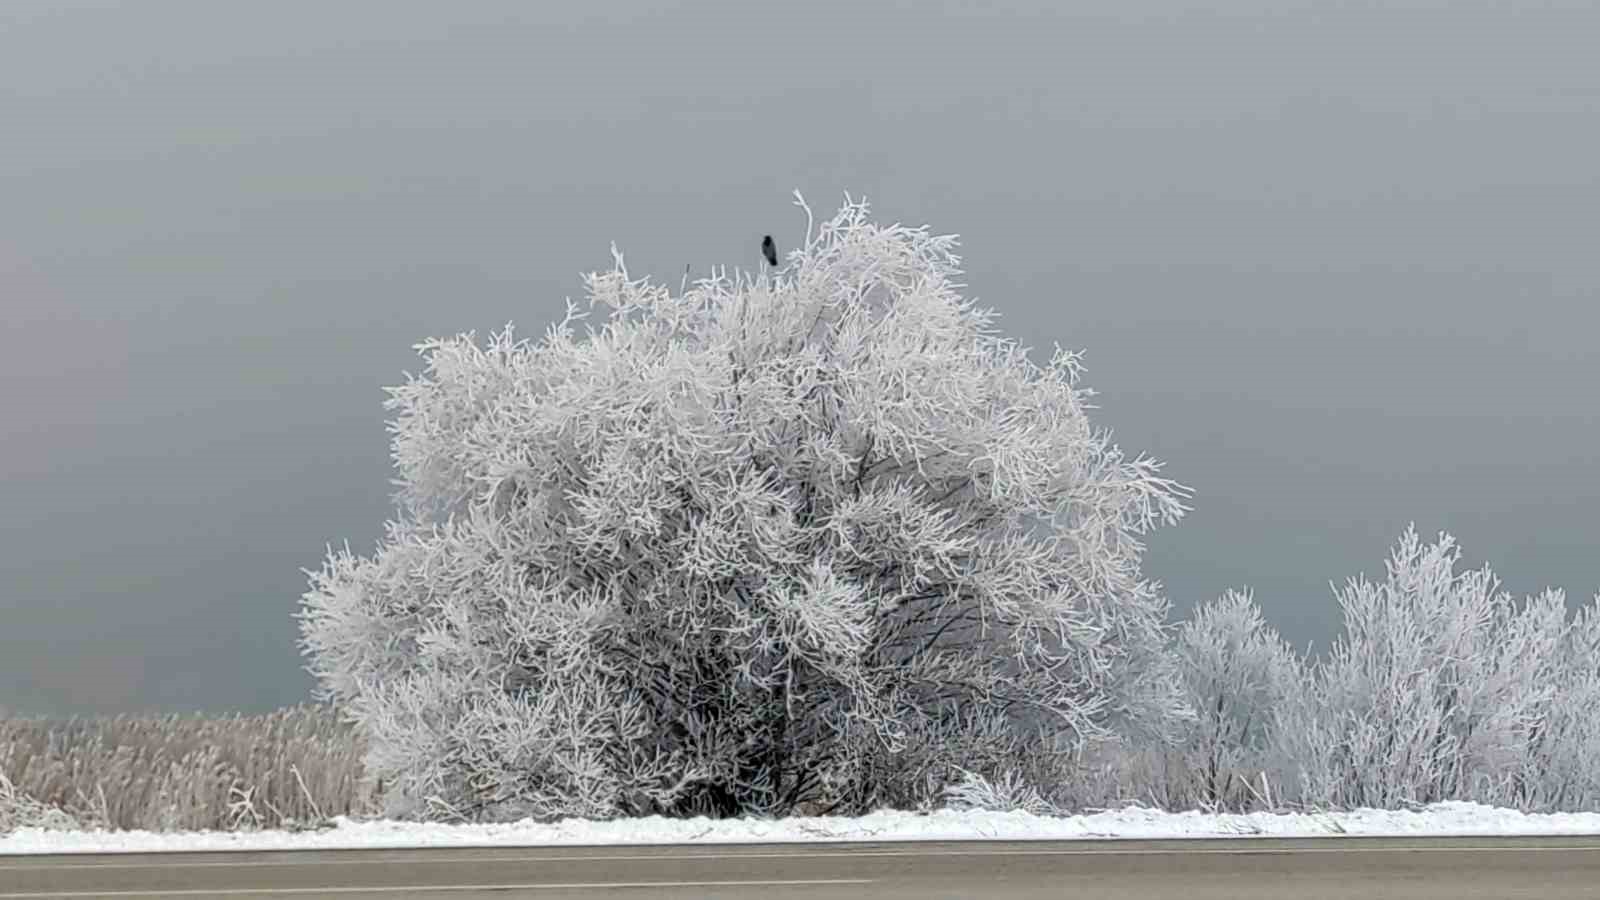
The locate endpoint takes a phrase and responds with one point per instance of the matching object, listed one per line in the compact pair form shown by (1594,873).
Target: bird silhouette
(769,250)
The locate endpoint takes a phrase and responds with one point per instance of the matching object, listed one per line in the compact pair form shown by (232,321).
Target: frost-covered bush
(1443,687)
(1562,768)
(18,810)
(1236,674)
(1007,791)
(823,540)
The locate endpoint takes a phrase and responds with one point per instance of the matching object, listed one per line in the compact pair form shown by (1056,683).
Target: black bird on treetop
(769,250)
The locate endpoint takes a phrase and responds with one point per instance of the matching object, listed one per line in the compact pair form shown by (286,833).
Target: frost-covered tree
(1442,688)
(1236,674)
(1562,768)
(817,540)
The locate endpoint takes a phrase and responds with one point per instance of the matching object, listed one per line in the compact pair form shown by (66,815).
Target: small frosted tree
(1440,689)
(1236,674)
(819,540)
(1562,768)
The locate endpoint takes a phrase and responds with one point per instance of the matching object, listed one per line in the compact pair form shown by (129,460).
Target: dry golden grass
(297,767)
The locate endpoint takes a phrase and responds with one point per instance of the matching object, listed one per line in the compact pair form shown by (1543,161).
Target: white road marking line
(532,886)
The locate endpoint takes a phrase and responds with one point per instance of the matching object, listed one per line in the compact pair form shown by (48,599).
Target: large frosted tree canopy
(819,539)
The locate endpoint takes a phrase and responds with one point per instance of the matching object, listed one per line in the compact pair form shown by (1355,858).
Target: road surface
(1227,869)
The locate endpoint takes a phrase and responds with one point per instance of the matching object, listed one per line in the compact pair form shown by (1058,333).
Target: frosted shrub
(821,540)
(1562,767)
(1443,687)
(1007,791)
(18,810)
(1236,674)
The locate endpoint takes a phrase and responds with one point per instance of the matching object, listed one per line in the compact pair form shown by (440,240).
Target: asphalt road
(1343,867)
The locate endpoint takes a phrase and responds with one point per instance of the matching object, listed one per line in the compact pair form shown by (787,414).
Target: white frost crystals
(816,541)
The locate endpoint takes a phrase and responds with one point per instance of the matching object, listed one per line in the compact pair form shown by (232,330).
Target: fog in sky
(1336,262)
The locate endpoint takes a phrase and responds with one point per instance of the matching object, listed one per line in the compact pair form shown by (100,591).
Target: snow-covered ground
(1442,819)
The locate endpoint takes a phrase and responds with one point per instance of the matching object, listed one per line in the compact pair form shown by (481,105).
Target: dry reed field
(293,768)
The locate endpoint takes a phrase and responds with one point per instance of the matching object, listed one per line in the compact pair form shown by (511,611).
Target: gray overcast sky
(1335,262)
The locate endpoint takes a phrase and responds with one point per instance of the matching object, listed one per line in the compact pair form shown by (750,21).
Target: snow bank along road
(1547,868)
